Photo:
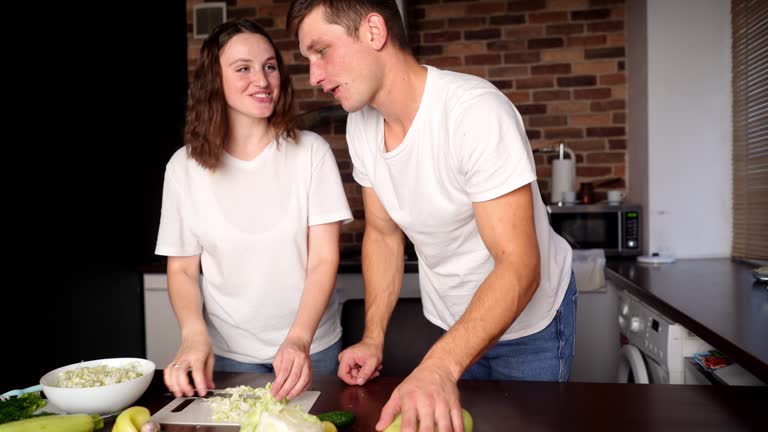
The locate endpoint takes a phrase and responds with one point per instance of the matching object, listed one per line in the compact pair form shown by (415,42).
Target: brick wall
(561,62)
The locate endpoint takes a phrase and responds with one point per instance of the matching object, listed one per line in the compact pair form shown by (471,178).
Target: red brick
(427,25)
(545,43)
(506,45)
(564,29)
(547,17)
(606,157)
(503,84)
(489,33)
(445,10)
(441,37)
(596,53)
(562,55)
(546,121)
(606,131)
(551,95)
(508,71)
(613,79)
(522,57)
(518,96)
(445,62)
(535,83)
(528,109)
(567,4)
(595,93)
(568,107)
(523,31)
(551,69)
(577,81)
(589,119)
(485,8)
(619,118)
(466,22)
(605,27)
(482,59)
(590,15)
(587,171)
(526,5)
(563,133)
(461,48)
(507,20)
(617,144)
(591,40)
(586,145)
(609,105)
(595,67)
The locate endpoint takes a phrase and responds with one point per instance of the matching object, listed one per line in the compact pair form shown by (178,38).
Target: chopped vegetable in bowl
(97,376)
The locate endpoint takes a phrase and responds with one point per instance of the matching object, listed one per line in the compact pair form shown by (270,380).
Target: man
(442,157)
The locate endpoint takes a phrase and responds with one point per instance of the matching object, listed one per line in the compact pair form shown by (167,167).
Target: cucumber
(58,423)
(338,418)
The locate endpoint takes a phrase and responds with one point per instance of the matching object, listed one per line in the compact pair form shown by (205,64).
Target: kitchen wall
(680,128)
(561,62)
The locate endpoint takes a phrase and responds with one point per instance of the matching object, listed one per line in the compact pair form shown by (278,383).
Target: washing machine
(653,348)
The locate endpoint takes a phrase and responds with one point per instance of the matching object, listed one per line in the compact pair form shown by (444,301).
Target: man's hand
(293,370)
(428,399)
(360,363)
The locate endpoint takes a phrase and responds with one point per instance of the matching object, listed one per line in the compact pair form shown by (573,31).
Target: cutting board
(194,410)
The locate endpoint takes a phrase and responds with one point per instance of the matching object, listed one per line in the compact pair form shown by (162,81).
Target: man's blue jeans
(543,356)
(325,362)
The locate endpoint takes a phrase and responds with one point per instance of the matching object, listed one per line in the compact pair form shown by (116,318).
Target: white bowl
(106,399)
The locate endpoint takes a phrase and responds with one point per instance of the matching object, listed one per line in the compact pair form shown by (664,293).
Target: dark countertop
(529,406)
(717,299)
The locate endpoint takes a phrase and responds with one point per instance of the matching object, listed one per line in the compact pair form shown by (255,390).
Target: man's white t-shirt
(467,144)
(249,222)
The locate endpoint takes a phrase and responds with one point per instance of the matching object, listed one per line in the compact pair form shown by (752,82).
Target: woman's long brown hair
(207,122)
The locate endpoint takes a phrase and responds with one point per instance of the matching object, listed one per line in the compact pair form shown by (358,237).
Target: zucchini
(338,418)
(57,423)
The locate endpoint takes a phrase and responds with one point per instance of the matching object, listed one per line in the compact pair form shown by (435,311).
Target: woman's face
(250,76)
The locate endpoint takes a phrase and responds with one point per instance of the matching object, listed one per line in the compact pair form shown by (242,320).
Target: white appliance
(653,347)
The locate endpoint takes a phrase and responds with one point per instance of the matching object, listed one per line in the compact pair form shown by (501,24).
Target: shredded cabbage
(97,376)
(258,411)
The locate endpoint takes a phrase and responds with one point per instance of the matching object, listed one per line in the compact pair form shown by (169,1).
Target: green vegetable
(466,417)
(19,408)
(338,418)
(58,423)
(257,410)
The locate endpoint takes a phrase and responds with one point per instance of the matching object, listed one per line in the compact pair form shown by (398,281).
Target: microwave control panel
(631,229)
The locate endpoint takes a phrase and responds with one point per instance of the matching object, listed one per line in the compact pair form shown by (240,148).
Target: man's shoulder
(464,82)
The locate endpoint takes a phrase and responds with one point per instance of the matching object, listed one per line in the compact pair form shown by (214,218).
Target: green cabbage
(258,411)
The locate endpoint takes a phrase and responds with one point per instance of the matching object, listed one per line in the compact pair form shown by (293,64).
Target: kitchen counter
(531,406)
(716,299)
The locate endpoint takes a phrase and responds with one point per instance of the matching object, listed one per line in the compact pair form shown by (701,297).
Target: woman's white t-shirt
(249,222)
(466,144)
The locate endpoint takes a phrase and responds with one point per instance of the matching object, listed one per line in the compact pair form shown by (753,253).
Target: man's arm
(382,277)
(506,225)
(429,396)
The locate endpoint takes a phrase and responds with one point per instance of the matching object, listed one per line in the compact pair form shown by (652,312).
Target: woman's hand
(293,369)
(195,354)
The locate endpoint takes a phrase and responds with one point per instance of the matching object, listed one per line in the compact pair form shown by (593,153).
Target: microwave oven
(613,228)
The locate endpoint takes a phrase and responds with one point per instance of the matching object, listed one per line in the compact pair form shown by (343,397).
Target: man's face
(337,62)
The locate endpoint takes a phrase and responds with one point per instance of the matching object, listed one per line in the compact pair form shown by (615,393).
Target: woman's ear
(375,31)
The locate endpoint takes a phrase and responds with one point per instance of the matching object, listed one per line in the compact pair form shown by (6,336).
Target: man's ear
(374,31)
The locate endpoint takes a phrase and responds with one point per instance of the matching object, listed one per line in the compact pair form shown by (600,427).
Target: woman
(257,206)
